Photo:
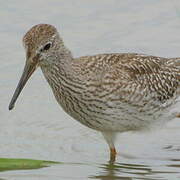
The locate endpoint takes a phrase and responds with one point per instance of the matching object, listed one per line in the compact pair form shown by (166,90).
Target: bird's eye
(46,47)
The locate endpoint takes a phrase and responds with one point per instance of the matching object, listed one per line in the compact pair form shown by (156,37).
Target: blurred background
(38,128)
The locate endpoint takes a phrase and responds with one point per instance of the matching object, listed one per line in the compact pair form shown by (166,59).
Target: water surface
(39,129)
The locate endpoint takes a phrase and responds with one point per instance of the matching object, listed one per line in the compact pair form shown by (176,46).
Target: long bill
(28,71)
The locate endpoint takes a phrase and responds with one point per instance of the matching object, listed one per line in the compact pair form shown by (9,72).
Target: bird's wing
(129,77)
(136,77)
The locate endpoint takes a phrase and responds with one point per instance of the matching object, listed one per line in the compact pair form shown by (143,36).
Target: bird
(111,93)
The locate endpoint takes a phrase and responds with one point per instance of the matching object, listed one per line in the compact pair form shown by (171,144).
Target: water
(38,128)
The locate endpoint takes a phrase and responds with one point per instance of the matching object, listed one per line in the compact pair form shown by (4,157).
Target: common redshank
(110,93)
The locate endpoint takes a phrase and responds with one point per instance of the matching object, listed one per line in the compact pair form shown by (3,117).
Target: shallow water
(38,128)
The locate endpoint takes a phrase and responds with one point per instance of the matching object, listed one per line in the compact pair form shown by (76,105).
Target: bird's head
(39,42)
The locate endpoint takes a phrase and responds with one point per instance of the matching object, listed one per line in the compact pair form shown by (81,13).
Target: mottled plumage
(106,92)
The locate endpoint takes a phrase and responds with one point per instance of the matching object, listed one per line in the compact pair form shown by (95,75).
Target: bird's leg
(113,154)
(110,137)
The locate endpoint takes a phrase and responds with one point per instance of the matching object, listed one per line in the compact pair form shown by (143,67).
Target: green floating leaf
(21,164)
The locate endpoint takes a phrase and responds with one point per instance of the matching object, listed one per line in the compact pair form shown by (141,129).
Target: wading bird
(110,93)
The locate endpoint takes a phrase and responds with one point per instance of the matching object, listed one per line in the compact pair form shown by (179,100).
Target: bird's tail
(176,63)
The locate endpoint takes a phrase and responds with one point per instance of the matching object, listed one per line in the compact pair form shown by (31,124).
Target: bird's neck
(65,83)
(57,66)
(60,74)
